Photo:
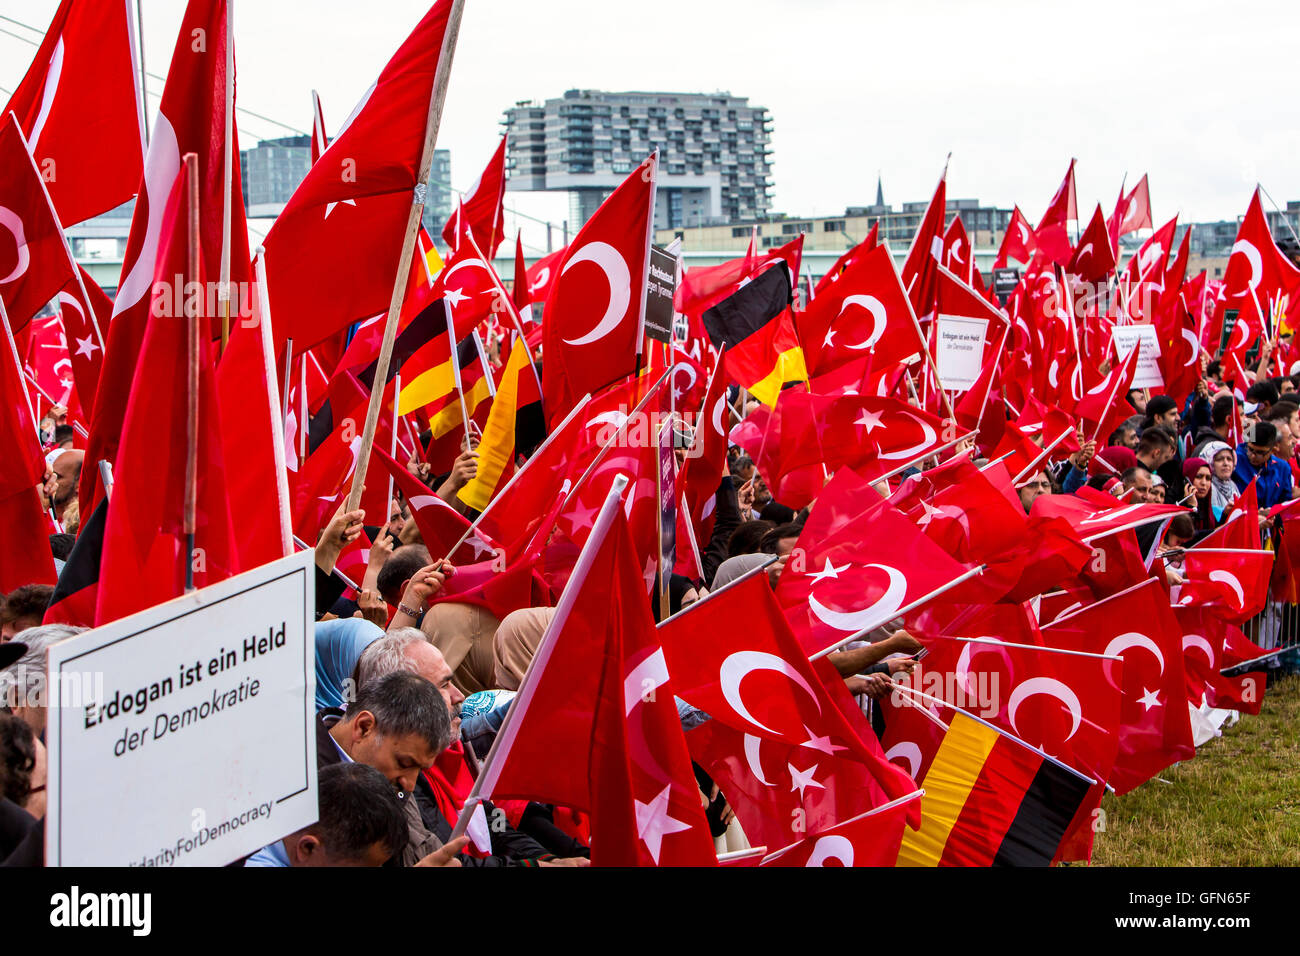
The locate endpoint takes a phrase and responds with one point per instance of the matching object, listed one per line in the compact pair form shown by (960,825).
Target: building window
(739,232)
(833,225)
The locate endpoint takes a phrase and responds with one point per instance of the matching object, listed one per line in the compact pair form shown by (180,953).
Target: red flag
(1204,658)
(864,313)
(1232,584)
(925,255)
(1139,626)
(843,262)
(1052,234)
(332,255)
(27,559)
(441,525)
(1017,242)
(958,253)
(859,578)
(34,259)
(145,550)
(253,435)
(543,273)
(82,322)
(191,119)
(480,212)
(596,728)
(869,839)
(79,108)
(1132,212)
(592,332)
(1257,271)
(1093,258)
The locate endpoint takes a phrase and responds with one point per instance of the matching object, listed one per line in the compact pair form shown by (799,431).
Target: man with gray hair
(22,683)
(441,788)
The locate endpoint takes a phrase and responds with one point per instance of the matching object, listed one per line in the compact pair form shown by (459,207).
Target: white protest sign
(1128,337)
(185,735)
(959,350)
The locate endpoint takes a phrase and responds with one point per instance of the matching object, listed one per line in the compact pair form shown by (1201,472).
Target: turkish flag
(1257,271)
(843,262)
(34,259)
(543,273)
(47,360)
(1092,517)
(479,213)
(441,526)
(925,255)
(697,482)
(957,251)
(594,727)
(1017,242)
(869,839)
(27,559)
(1052,234)
(145,548)
(592,330)
(859,578)
(1067,705)
(332,254)
(1093,258)
(876,436)
(1132,212)
(1231,584)
(79,108)
(82,324)
(865,313)
(738,641)
(1203,660)
(1138,626)
(191,119)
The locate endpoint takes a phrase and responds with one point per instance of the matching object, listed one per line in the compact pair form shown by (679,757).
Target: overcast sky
(1200,95)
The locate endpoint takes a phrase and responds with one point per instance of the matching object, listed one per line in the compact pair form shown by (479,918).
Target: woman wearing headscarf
(339,644)
(1113,460)
(516,642)
(1223,461)
(1198,475)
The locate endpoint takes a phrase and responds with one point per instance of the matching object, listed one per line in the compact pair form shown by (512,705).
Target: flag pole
(137,40)
(491,768)
(223,283)
(192,320)
(455,375)
(274,404)
(1029,469)
(434,119)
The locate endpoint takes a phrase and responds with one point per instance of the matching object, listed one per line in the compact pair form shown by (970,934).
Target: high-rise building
(271,171)
(713,150)
(438,201)
(274,168)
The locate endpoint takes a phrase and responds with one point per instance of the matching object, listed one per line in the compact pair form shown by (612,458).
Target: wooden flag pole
(192,318)
(436,99)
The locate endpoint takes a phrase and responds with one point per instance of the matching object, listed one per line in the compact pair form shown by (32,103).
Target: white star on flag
(828,571)
(479,545)
(802,779)
(653,822)
(820,743)
(87,346)
(930,512)
(454,297)
(1150,699)
(581,517)
(869,420)
(649,574)
(329,207)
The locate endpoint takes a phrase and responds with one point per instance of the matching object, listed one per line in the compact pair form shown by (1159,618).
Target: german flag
(991,800)
(496,452)
(435,388)
(757,327)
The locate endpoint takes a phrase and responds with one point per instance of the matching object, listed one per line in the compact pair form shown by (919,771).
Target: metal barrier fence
(1277,626)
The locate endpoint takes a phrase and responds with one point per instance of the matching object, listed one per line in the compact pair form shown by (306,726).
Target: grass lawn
(1236,804)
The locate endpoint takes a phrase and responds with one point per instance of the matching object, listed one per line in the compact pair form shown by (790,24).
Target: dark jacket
(726,519)
(422,842)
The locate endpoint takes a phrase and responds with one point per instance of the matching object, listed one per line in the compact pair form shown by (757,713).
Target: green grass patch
(1237,803)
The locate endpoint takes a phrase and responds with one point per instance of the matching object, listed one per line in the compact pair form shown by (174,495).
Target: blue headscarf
(339,644)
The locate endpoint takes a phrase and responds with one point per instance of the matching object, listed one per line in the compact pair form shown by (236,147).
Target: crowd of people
(411,691)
